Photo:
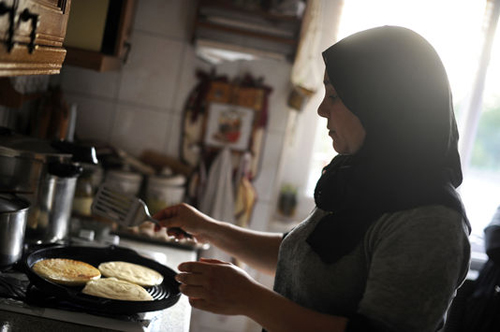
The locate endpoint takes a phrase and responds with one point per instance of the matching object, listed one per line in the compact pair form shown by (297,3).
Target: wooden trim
(92,60)
(43,61)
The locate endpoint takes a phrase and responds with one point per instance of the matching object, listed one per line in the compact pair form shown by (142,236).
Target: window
(455,29)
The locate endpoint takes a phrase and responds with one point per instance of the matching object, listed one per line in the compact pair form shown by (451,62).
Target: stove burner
(13,287)
(37,297)
(13,282)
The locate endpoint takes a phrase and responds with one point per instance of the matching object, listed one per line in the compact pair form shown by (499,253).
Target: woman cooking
(387,245)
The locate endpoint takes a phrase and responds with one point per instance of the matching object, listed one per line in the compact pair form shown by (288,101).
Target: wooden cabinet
(31,36)
(111,22)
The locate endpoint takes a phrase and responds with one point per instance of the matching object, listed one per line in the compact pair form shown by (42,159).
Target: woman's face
(345,128)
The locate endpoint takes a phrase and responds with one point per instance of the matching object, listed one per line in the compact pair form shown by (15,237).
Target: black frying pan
(164,295)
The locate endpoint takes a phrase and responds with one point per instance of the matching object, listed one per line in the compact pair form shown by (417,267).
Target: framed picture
(229,126)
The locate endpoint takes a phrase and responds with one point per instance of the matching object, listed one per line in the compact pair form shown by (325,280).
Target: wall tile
(266,180)
(94,117)
(151,75)
(86,81)
(168,18)
(188,80)
(171,147)
(276,75)
(137,129)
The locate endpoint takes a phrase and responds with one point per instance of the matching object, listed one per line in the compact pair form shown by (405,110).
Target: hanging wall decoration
(228,126)
(220,113)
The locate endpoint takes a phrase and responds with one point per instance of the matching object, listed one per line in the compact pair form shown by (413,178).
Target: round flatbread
(112,288)
(66,271)
(133,273)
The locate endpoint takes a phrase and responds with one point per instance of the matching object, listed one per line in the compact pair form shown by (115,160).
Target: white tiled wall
(140,107)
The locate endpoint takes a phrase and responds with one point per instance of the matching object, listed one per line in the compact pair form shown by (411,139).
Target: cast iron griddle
(164,295)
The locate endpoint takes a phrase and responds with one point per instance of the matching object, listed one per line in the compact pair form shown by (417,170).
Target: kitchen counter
(16,316)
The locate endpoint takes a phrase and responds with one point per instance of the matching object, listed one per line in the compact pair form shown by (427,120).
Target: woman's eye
(333,97)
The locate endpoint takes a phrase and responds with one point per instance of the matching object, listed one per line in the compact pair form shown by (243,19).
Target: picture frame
(229,126)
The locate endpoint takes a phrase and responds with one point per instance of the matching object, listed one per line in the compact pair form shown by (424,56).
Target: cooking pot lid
(15,145)
(11,203)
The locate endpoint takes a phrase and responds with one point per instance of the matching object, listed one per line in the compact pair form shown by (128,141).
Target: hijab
(393,80)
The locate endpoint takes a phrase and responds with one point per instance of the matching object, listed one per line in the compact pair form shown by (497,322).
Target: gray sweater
(403,275)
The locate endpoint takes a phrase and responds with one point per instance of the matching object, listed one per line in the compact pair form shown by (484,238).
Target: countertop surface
(16,316)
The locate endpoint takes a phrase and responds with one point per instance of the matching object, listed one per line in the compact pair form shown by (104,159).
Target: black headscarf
(393,80)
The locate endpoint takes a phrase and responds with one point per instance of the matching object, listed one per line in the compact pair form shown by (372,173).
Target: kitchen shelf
(92,60)
(243,32)
(255,32)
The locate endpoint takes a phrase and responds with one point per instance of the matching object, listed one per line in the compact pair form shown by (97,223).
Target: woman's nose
(322,110)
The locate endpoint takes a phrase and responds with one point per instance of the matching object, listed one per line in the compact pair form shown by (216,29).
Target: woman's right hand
(187,218)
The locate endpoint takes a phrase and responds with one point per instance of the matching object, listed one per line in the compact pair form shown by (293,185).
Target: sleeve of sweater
(418,260)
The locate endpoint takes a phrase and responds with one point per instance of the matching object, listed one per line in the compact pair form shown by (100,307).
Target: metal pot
(13,216)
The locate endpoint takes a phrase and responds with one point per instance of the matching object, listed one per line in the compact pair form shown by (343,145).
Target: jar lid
(15,145)
(174,180)
(121,175)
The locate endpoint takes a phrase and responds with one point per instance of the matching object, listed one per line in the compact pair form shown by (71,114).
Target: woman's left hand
(217,286)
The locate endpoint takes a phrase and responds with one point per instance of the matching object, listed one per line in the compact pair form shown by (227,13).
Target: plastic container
(124,181)
(163,191)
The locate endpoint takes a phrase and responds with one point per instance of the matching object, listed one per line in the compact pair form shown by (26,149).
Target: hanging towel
(218,199)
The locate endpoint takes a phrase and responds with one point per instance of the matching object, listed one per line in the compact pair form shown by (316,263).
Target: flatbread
(66,271)
(112,288)
(133,273)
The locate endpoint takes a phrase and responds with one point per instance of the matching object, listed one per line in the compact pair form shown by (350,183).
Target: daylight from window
(454,28)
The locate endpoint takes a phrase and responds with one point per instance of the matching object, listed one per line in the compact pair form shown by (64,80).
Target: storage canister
(163,191)
(124,181)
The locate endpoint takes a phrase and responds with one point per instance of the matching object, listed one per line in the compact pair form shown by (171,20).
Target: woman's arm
(223,288)
(257,249)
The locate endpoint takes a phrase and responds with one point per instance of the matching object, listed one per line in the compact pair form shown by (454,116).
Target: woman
(387,245)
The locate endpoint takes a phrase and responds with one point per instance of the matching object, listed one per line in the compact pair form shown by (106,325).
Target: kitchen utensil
(13,215)
(127,210)
(164,295)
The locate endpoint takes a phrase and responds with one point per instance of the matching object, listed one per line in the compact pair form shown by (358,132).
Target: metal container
(13,216)
(48,220)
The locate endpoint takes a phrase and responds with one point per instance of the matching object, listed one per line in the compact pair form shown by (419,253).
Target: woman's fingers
(194,291)
(215,286)
(166,213)
(213,261)
(204,265)
(195,279)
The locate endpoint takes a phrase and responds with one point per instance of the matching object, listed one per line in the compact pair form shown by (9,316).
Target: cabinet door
(32,33)
(52,17)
